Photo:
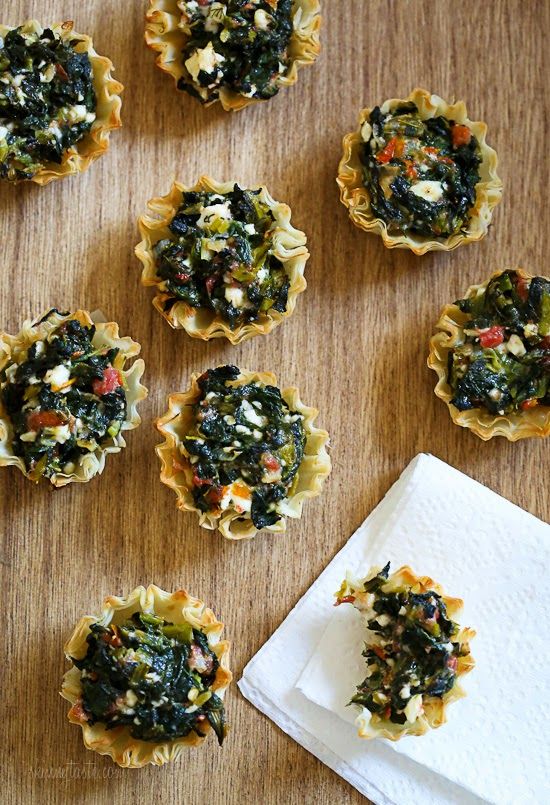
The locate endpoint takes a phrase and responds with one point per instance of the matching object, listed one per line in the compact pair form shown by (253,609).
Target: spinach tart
(420,174)
(58,102)
(66,396)
(225,261)
(492,356)
(237,52)
(415,652)
(240,453)
(148,677)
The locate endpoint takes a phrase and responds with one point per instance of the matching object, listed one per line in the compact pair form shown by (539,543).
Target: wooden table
(356,347)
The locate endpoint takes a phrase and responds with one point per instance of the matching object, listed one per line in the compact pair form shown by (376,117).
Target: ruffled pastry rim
(177,474)
(289,248)
(80,156)
(164,35)
(178,607)
(535,422)
(434,709)
(106,334)
(355,196)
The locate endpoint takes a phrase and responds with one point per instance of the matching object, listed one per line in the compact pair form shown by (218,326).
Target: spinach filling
(241,45)
(152,676)
(47,100)
(503,362)
(421,174)
(410,651)
(63,401)
(221,256)
(245,447)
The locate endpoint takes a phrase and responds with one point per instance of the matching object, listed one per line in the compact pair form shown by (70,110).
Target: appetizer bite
(414,650)
(241,453)
(492,356)
(148,677)
(58,102)
(419,173)
(236,53)
(225,260)
(66,396)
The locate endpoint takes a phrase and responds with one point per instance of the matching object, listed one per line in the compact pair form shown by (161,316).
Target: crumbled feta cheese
(3,132)
(495,394)
(243,429)
(515,346)
(428,190)
(383,619)
(57,376)
(405,692)
(61,433)
(29,436)
(235,296)
(229,420)
(205,59)
(262,20)
(413,708)
(250,228)
(211,213)
(131,698)
(251,415)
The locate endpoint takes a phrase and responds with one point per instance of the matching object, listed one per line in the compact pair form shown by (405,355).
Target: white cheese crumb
(413,708)
(57,376)
(428,189)
(515,346)
(209,214)
(205,59)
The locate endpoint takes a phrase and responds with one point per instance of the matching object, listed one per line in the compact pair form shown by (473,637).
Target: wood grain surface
(356,347)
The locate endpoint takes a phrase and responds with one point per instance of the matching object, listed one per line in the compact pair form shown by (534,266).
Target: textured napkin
(479,547)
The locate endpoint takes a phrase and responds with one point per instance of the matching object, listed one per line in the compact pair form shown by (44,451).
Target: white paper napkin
(479,547)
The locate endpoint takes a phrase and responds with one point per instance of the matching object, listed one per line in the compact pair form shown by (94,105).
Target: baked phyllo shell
(79,156)
(164,34)
(513,425)
(434,710)
(178,608)
(13,347)
(355,196)
(289,246)
(177,472)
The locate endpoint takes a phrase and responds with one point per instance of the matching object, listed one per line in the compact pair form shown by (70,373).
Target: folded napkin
(479,547)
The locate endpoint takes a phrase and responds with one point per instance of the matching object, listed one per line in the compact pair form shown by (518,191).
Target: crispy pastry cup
(178,608)
(14,348)
(289,246)
(164,34)
(177,472)
(434,712)
(534,422)
(80,156)
(355,196)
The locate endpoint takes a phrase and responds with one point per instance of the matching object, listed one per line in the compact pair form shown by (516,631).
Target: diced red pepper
(526,404)
(270,462)
(411,171)
(215,494)
(461,135)
(77,711)
(183,276)
(61,72)
(111,381)
(379,652)
(491,337)
(522,288)
(210,282)
(452,663)
(44,419)
(394,148)
(347,599)
(201,481)
(545,343)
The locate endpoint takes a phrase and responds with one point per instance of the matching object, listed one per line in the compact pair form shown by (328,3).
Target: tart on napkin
(226,261)
(414,651)
(240,453)
(419,173)
(58,102)
(66,396)
(235,53)
(148,676)
(492,356)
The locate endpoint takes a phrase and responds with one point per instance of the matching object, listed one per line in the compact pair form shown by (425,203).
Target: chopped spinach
(152,676)
(241,45)
(47,100)
(221,256)
(421,174)
(63,400)
(411,648)
(245,447)
(503,361)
